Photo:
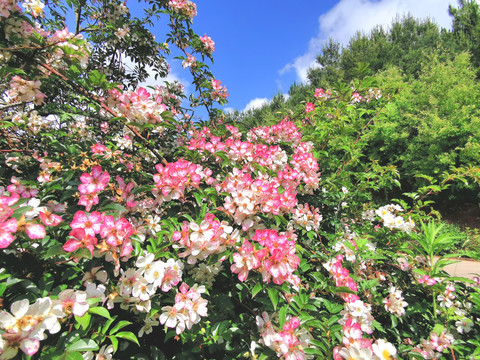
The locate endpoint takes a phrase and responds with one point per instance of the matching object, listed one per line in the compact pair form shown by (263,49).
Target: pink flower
(310,107)
(94,182)
(72,302)
(91,223)
(50,219)
(80,239)
(7,227)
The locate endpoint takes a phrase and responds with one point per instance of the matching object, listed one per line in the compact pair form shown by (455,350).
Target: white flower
(384,350)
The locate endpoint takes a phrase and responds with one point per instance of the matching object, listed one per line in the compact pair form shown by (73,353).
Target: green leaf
(83,345)
(120,325)
(282,315)
(3,287)
(256,289)
(273,295)
(83,321)
(113,208)
(114,341)
(73,356)
(100,311)
(127,335)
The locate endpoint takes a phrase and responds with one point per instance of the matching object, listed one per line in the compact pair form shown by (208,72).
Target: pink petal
(71,245)
(35,231)
(9,226)
(5,239)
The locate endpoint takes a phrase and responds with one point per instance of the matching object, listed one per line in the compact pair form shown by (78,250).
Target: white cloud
(259,102)
(350,16)
(256,103)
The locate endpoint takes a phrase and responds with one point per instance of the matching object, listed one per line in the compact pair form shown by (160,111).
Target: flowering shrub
(128,231)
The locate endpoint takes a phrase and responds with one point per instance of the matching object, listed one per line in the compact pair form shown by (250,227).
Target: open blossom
(72,302)
(80,239)
(394,302)
(94,182)
(35,7)
(310,107)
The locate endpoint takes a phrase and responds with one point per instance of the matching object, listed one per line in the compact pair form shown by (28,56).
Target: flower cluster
(275,260)
(114,235)
(394,302)
(305,216)
(310,107)
(26,91)
(173,179)
(208,43)
(137,106)
(284,131)
(189,62)
(288,343)
(435,345)
(390,218)
(188,309)
(219,91)
(184,7)
(321,94)
(137,286)
(200,241)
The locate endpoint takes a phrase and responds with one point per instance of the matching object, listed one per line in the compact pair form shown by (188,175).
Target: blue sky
(263,46)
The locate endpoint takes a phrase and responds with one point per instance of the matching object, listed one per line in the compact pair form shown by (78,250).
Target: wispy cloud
(350,16)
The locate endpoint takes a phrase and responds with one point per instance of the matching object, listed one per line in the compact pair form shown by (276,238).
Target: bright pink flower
(90,223)
(80,239)
(115,232)
(310,107)
(94,182)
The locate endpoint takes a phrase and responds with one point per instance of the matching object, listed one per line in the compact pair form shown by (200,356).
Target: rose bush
(129,231)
